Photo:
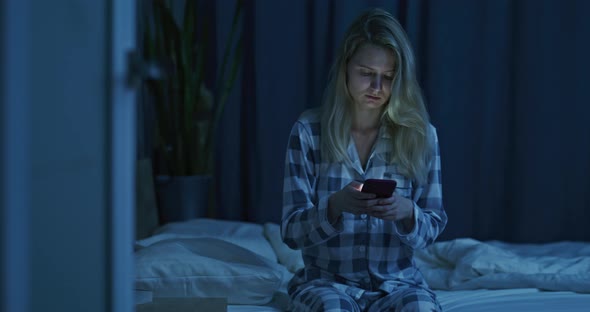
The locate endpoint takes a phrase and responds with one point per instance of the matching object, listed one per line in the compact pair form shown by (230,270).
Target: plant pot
(182,198)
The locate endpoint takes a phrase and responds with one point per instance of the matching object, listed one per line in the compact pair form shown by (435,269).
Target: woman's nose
(376,82)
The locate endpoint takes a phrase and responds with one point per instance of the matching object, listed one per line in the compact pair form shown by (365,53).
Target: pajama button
(362,249)
(363,216)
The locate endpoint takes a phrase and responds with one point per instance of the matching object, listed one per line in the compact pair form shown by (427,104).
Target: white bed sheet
(513,300)
(467,275)
(482,300)
(468,264)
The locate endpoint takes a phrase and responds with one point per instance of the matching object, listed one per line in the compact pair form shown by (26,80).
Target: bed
(220,265)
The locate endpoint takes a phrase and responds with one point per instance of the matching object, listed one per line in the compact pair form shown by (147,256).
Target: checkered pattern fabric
(358,253)
(325,298)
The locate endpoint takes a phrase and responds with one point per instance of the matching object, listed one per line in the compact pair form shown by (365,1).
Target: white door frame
(123,156)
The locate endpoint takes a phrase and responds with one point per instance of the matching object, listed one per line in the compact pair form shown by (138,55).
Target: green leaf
(225,88)
(186,123)
(229,42)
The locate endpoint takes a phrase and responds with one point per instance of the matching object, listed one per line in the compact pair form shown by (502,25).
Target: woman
(357,248)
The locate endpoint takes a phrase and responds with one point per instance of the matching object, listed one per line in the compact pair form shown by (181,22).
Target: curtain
(505,84)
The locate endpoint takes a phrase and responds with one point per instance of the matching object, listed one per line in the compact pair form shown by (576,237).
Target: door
(67,151)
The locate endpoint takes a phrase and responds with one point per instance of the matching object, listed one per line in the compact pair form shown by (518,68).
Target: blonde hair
(405,115)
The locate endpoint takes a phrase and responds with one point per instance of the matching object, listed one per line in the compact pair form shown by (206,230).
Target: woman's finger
(387,201)
(379,208)
(361,195)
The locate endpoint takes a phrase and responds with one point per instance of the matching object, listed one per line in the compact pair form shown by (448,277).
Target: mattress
(512,300)
(248,266)
(483,300)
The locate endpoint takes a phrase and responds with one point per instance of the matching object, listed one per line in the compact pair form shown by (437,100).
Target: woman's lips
(375,98)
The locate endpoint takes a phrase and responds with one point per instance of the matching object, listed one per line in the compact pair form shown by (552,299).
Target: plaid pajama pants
(330,299)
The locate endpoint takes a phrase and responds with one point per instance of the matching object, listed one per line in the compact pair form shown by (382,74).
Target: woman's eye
(390,78)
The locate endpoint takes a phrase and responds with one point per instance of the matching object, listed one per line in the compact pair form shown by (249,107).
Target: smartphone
(380,187)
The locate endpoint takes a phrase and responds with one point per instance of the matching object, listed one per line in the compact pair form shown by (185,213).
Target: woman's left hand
(394,208)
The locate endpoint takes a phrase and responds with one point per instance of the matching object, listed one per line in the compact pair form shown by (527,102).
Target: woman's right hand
(350,199)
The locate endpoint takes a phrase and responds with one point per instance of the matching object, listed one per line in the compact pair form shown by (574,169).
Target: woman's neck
(365,121)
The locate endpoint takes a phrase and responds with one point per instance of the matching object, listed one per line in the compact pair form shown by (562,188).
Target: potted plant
(187,111)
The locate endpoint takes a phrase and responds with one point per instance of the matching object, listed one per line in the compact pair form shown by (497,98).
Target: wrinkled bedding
(462,264)
(466,274)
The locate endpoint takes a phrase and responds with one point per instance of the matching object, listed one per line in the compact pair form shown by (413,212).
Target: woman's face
(370,73)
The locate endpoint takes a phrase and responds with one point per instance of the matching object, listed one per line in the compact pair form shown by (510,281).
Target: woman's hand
(394,208)
(350,199)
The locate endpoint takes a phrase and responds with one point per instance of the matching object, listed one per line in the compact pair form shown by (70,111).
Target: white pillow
(245,234)
(288,257)
(207,268)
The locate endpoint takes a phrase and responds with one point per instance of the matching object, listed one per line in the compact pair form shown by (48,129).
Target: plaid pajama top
(357,253)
